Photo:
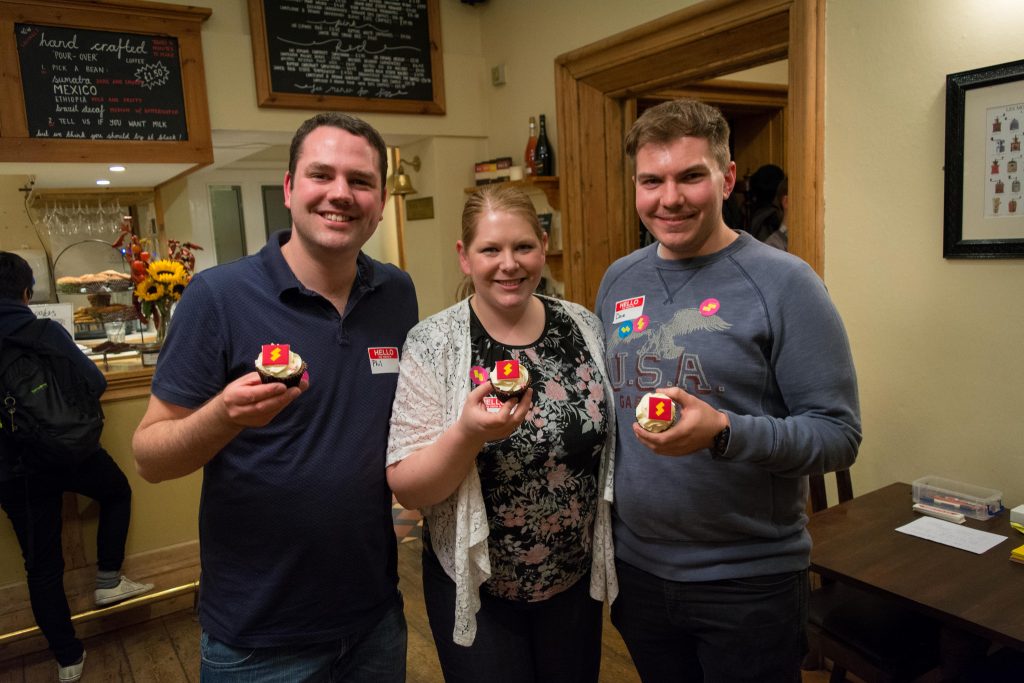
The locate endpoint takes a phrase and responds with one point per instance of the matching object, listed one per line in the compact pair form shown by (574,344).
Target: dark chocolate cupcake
(278,363)
(510,379)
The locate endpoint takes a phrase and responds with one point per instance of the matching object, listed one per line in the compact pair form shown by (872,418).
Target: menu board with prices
(363,55)
(101,85)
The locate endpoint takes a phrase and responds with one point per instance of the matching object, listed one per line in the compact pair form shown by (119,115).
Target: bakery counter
(128,374)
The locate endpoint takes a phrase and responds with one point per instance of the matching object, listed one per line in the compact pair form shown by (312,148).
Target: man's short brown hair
(669,121)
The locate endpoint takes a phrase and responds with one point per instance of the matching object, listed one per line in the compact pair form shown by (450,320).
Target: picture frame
(984,202)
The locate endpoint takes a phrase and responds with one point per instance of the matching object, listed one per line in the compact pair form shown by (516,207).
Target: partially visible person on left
(32,496)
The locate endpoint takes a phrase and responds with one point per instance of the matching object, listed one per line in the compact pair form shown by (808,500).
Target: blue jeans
(558,639)
(373,656)
(750,629)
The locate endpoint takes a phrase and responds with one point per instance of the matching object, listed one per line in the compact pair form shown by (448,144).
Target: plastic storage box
(973,501)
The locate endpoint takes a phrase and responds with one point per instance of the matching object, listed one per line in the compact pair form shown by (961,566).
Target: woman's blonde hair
(486,199)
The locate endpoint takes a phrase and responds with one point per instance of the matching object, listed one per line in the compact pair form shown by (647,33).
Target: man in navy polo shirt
(299,576)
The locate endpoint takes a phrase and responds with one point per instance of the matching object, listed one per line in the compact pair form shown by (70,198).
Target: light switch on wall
(498,75)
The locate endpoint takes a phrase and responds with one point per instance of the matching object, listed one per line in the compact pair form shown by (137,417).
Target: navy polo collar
(367,277)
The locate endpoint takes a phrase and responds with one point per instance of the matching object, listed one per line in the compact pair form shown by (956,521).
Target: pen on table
(954,503)
(953,500)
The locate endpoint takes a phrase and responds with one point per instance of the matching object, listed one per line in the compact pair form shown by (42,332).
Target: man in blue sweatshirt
(711,546)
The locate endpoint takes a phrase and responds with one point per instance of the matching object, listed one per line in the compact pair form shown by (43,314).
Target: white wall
(936,342)
(527,36)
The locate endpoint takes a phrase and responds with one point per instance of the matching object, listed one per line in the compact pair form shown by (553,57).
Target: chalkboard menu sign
(363,55)
(100,85)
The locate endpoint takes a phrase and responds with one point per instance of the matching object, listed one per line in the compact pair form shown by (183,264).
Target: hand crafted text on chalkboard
(101,85)
(350,48)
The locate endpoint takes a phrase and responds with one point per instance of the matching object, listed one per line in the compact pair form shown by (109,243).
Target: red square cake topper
(275,354)
(659,409)
(508,369)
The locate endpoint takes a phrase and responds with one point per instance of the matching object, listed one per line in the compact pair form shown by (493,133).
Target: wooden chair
(863,633)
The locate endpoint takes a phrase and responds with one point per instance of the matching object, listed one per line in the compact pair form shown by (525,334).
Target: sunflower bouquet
(158,283)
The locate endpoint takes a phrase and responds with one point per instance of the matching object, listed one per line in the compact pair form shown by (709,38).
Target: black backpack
(47,413)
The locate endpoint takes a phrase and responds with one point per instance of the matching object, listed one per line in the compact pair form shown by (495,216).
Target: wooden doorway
(597,87)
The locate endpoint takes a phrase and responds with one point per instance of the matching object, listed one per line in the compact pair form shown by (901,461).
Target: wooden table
(856,542)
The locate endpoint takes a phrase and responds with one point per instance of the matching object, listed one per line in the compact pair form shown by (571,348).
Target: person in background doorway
(765,215)
(780,238)
(709,517)
(298,550)
(33,496)
(517,551)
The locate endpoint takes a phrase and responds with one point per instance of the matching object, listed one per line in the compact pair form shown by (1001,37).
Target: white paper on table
(952,534)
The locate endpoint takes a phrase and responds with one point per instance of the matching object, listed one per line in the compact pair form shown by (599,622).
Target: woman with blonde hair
(516,495)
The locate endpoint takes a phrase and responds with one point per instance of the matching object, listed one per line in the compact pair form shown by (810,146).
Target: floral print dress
(540,485)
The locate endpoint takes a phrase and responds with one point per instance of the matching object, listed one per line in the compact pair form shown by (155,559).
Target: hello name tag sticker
(628,309)
(492,404)
(383,360)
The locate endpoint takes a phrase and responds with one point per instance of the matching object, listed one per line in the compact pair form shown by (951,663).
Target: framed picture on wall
(984,201)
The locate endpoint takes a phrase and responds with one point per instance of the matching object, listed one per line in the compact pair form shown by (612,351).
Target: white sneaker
(122,591)
(70,674)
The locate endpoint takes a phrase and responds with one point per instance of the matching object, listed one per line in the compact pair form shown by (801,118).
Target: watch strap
(721,444)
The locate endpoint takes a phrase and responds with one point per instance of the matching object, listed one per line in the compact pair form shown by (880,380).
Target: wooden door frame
(596,88)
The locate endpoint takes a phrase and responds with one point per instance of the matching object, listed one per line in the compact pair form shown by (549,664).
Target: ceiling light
(102,181)
(117,169)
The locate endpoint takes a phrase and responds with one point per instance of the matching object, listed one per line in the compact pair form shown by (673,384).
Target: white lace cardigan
(433,384)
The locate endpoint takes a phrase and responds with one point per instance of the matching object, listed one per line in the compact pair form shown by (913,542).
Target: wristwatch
(721,443)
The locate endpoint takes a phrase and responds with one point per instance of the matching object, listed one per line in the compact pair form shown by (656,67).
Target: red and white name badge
(492,404)
(628,309)
(383,359)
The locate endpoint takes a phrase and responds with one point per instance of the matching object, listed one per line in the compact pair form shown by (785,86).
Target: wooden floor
(166,650)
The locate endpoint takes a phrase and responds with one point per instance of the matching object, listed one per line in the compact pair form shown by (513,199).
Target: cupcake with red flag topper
(656,412)
(510,379)
(278,363)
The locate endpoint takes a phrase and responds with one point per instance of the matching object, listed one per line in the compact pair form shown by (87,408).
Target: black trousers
(33,503)
(558,639)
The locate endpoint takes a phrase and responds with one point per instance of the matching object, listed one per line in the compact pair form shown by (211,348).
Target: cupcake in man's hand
(656,412)
(278,363)
(510,379)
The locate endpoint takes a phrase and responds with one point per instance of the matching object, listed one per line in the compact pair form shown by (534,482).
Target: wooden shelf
(548,184)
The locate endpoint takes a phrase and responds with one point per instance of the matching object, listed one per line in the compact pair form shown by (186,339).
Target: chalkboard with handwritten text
(101,85)
(364,55)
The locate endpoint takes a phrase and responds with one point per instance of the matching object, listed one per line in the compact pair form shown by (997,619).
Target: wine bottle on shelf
(543,155)
(531,145)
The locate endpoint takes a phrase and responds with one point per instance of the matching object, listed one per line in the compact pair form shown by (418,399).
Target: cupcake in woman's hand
(509,379)
(278,363)
(656,412)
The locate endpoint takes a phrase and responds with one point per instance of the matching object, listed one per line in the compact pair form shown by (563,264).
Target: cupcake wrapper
(506,395)
(660,428)
(291,381)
